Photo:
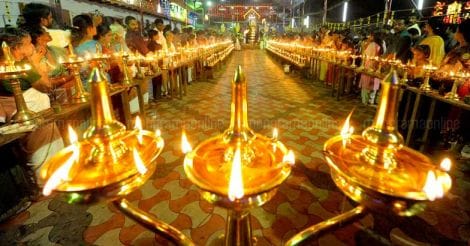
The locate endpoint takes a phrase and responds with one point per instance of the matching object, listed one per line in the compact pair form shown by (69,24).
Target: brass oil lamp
(353,63)
(428,70)
(98,59)
(73,63)
(406,68)
(13,73)
(377,171)
(109,163)
(459,78)
(238,169)
(123,57)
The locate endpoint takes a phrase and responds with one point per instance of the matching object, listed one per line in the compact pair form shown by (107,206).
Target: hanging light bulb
(345,11)
(420,4)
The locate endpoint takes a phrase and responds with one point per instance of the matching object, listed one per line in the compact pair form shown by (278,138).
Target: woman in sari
(370,85)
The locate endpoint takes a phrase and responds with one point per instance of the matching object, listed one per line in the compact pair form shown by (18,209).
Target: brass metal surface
(109,162)
(263,167)
(13,73)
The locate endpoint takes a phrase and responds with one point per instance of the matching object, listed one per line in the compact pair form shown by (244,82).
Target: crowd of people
(35,42)
(418,44)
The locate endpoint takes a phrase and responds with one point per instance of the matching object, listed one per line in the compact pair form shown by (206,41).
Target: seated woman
(434,30)
(82,35)
(420,59)
(456,130)
(85,43)
(457,60)
(45,141)
(49,66)
(23,51)
(104,38)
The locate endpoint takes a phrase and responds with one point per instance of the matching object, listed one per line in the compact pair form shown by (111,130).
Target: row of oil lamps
(240,169)
(145,65)
(301,54)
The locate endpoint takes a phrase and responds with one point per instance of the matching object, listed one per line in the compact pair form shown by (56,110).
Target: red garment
(464,89)
(136,42)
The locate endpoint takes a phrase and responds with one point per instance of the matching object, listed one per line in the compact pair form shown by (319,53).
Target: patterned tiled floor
(306,116)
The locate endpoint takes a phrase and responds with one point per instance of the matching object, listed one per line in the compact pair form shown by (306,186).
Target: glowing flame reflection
(235,189)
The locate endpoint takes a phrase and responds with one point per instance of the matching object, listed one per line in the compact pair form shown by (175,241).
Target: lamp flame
(446,164)
(87,56)
(63,172)
(275,133)
(158,133)
(347,130)
(138,126)
(139,164)
(73,138)
(185,145)
(433,187)
(235,189)
(289,158)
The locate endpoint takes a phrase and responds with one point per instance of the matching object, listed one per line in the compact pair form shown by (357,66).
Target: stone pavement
(306,116)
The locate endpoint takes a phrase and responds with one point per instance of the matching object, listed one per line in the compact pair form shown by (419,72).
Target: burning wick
(347,130)
(63,172)
(433,187)
(275,133)
(185,145)
(289,158)
(446,164)
(139,163)
(138,126)
(235,189)
(158,133)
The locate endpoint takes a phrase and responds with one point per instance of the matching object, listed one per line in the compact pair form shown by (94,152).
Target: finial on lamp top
(7,54)
(239,76)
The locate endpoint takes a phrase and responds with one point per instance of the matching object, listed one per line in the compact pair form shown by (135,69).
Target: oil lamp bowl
(209,166)
(397,190)
(106,169)
(72,61)
(13,74)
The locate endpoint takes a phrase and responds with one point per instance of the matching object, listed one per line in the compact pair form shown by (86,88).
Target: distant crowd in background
(38,42)
(409,40)
(414,42)
(90,33)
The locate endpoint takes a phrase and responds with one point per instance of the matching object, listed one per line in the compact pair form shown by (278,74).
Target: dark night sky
(359,8)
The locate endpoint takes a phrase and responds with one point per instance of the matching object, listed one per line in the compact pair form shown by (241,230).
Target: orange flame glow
(63,172)
(446,164)
(289,158)
(275,133)
(347,130)
(433,187)
(185,145)
(138,126)
(235,189)
(139,164)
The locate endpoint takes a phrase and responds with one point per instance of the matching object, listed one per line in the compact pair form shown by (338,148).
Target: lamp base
(26,117)
(80,98)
